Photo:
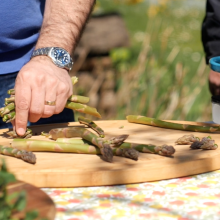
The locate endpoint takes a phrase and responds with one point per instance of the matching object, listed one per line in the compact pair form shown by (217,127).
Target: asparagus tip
(107,153)
(130,153)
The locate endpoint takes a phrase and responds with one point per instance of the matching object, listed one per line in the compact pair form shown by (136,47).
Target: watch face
(60,57)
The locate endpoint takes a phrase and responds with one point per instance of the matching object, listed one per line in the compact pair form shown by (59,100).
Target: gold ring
(50,103)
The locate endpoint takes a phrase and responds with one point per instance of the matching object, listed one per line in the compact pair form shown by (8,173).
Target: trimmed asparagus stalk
(9,100)
(9,117)
(92,125)
(104,145)
(79,99)
(82,108)
(171,125)
(22,154)
(7,109)
(187,139)
(74,80)
(164,150)
(11,91)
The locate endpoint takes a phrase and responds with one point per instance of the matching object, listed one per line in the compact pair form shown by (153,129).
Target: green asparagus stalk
(22,154)
(92,125)
(52,146)
(79,99)
(126,152)
(163,150)
(72,140)
(171,125)
(104,145)
(82,108)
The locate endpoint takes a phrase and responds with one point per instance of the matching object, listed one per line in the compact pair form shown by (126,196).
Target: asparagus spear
(92,125)
(163,150)
(171,125)
(22,154)
(52,146)
(82,108)
(79,99)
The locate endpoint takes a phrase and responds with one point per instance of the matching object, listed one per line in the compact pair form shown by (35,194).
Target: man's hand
(39,81)
(214,82)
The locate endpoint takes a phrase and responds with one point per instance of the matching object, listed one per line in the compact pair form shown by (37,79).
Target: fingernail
(21,131)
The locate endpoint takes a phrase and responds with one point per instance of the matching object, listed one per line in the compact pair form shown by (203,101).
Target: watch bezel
(56,61)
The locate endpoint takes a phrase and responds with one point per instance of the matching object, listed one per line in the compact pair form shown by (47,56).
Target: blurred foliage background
(162,73)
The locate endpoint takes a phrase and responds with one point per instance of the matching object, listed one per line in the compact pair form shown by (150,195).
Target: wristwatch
(59,56)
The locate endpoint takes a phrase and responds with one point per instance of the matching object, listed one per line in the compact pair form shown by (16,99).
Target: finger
(60,103)
(22,102)
(13,124)
(71,87)
(62,96)
(49,110)
(37,104)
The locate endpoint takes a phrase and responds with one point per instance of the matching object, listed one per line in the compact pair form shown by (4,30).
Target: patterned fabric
(195,197)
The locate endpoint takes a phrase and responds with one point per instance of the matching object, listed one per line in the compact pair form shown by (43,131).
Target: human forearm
(63,23)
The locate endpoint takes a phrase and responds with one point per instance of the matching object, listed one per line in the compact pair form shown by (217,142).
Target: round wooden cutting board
(73,170)
(36,200)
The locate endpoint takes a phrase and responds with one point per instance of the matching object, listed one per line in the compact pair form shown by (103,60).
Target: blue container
(214,63)
(215,66)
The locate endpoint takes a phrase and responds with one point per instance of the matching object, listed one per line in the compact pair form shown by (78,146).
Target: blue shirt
(20,22)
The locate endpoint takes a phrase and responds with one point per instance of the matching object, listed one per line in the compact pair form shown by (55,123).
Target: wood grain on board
(73,170)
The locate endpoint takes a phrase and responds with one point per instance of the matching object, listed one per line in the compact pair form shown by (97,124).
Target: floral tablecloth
(195,197)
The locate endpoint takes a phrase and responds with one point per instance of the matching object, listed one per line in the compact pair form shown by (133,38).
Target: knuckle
(53,81)
(58,110)
(63,88)
(48,112)
(23,105)
(35,110)
(40,79)
(24,74)
(31,119)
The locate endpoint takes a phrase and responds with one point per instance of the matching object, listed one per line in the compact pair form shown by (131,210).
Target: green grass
(163,73)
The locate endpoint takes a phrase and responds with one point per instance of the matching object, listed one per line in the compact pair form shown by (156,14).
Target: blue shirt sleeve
(20,22)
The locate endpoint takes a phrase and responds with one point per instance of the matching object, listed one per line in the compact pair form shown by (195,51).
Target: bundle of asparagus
(75,102)
(89,143)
